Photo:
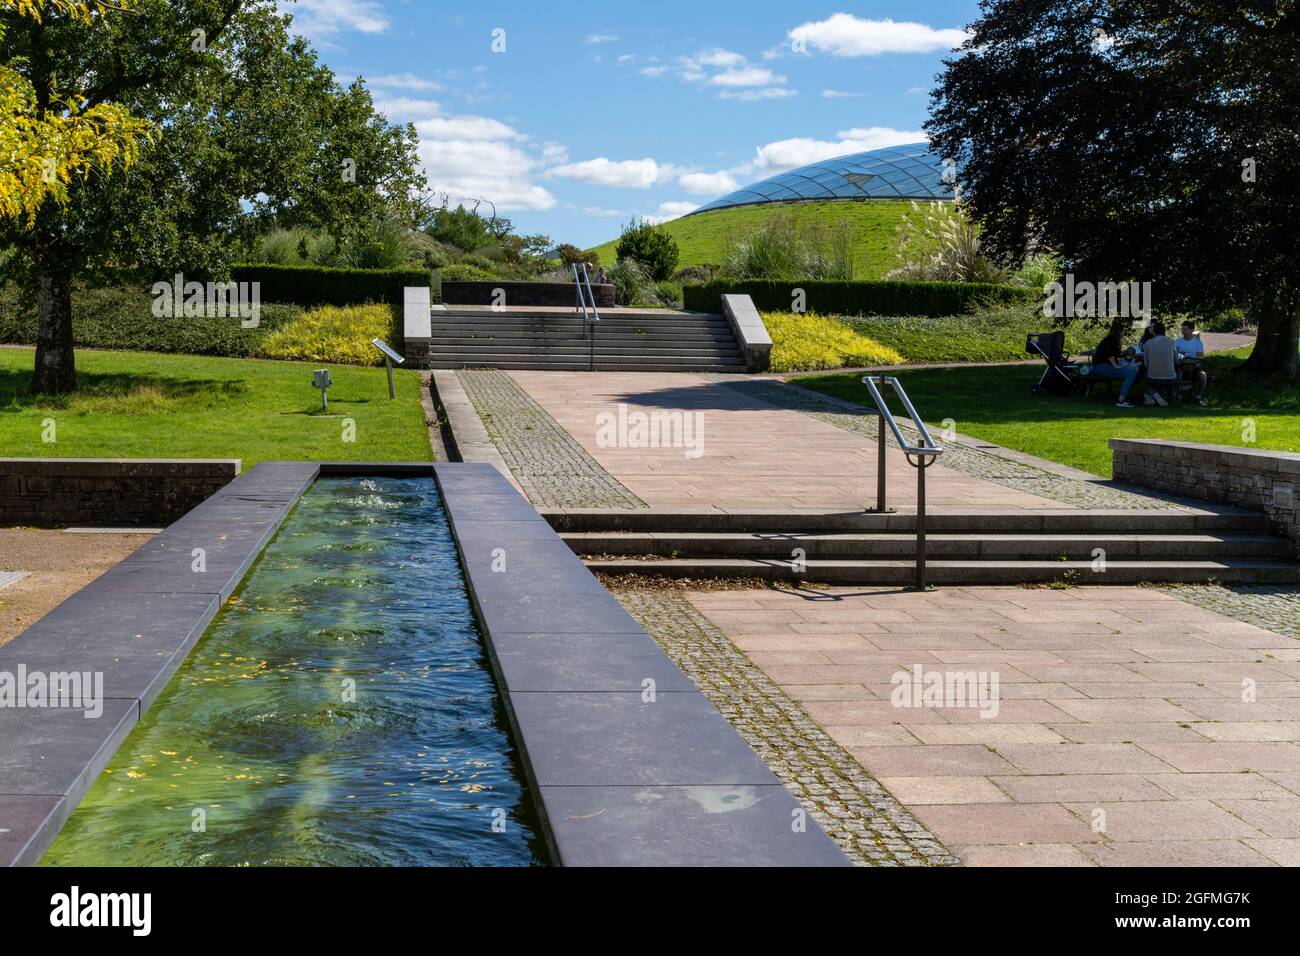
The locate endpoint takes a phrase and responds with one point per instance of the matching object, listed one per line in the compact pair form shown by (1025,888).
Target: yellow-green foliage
(807,341)
(339,334)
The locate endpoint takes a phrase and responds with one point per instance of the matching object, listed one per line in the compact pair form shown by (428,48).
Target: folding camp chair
(1060,376)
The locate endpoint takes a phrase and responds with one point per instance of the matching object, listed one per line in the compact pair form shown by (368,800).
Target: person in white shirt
(1190,346)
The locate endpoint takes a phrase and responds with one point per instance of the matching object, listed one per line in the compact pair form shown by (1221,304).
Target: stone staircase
(625,340)
(1224,545)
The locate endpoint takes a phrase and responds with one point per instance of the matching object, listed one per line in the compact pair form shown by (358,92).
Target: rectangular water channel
(339,711)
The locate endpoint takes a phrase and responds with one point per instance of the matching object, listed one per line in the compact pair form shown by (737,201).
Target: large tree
(250,127)
(1155,140)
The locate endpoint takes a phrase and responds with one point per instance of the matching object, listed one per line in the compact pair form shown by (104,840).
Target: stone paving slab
(752,452)
(1132,728)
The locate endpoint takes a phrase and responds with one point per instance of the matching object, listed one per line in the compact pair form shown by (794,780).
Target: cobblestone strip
(970,461)
(860,815)
(1275,608)
(552,468)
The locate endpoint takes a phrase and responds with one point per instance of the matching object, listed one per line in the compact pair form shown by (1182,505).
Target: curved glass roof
(897,172)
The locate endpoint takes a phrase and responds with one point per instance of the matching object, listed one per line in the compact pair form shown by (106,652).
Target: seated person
(1108,362)
(1192,350)
(1160,358)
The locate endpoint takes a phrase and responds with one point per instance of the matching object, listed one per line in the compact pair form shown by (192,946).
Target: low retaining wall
(1267,481)
(523,293)
(750,332)
(58,492)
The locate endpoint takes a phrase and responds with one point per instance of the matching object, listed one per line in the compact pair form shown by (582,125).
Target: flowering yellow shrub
(338,334)
(805,342)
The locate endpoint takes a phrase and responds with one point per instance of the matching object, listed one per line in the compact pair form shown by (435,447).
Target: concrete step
(1207,520)
(664,351)
(575,366)
(850,546)
(603,335)
(947,572)
(617,313)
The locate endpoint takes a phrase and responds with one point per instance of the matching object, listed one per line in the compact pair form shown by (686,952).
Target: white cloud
(483,169)
(839,94)
(404,81)
(753,96)
(627,58)
(554,153)
(846,35)
(600,213)
(670,210)
(707,184)
(653,71)
(466,128)
(746,76)
(399,108)
(800,151)
(601,37)
(717,57)
(323,20)
(627,173)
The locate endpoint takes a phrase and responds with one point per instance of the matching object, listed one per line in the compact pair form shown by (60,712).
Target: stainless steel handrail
(583,279)
(924,455)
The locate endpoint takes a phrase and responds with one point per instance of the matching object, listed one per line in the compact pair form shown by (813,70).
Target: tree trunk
(56,366)
(1277,347)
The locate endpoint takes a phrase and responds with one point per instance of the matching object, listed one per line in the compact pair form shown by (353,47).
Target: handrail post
(920,523)
(880,464)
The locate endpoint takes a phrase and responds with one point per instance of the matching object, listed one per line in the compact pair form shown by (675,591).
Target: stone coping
(1254,459)
(751,333)
(618,778)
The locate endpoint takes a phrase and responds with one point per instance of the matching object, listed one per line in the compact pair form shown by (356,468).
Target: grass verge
(145,405)
(994,403)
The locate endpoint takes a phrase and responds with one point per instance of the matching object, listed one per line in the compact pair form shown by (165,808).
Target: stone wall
(105,492)
(1267,481)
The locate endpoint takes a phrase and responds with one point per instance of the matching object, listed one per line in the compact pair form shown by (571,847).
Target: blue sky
(573,117)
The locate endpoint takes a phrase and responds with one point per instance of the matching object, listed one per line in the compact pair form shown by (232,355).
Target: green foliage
(123,319)
(705,237)
(339,334)
(808,342)
(465,272)
(856,298)
(463,228)
(633,283)
(571,255)
(317,285)
(996,335)
(651,246)
(939,242)
(784,248)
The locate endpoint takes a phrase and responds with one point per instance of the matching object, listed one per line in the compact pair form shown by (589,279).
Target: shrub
(996,335)
(465,272)
(633,283)
(570,254)
(339,334)
(782,248)
(940,242)
(809,342)
(123,319)
(649,245)
(317,285)
(857,298)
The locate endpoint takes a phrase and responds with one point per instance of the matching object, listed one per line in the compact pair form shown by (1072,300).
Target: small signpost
(321,379)
(389,358)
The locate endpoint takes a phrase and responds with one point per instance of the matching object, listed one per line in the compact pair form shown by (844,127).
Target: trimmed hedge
(318,285)
(856,298)
(122,319)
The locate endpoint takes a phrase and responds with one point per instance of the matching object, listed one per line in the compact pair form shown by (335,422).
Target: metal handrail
(924,455)
(583,279)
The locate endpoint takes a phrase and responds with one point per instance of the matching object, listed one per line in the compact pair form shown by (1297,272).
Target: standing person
(1160,358)
(1108,362)
(600,276)
(1192,349)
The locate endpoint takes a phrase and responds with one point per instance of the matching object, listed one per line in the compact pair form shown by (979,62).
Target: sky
(572,118)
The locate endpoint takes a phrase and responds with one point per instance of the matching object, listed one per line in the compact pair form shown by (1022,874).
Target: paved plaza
(1133,725)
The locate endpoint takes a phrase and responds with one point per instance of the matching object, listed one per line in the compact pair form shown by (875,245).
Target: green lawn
(148,405)
(994,403)
(995,336)
(703,238)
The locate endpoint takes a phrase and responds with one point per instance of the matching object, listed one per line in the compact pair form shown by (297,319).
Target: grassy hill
(703,238)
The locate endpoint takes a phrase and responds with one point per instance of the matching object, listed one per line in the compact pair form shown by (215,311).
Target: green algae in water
(339,711)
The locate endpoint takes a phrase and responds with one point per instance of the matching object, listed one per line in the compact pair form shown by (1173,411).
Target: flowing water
(339,711)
